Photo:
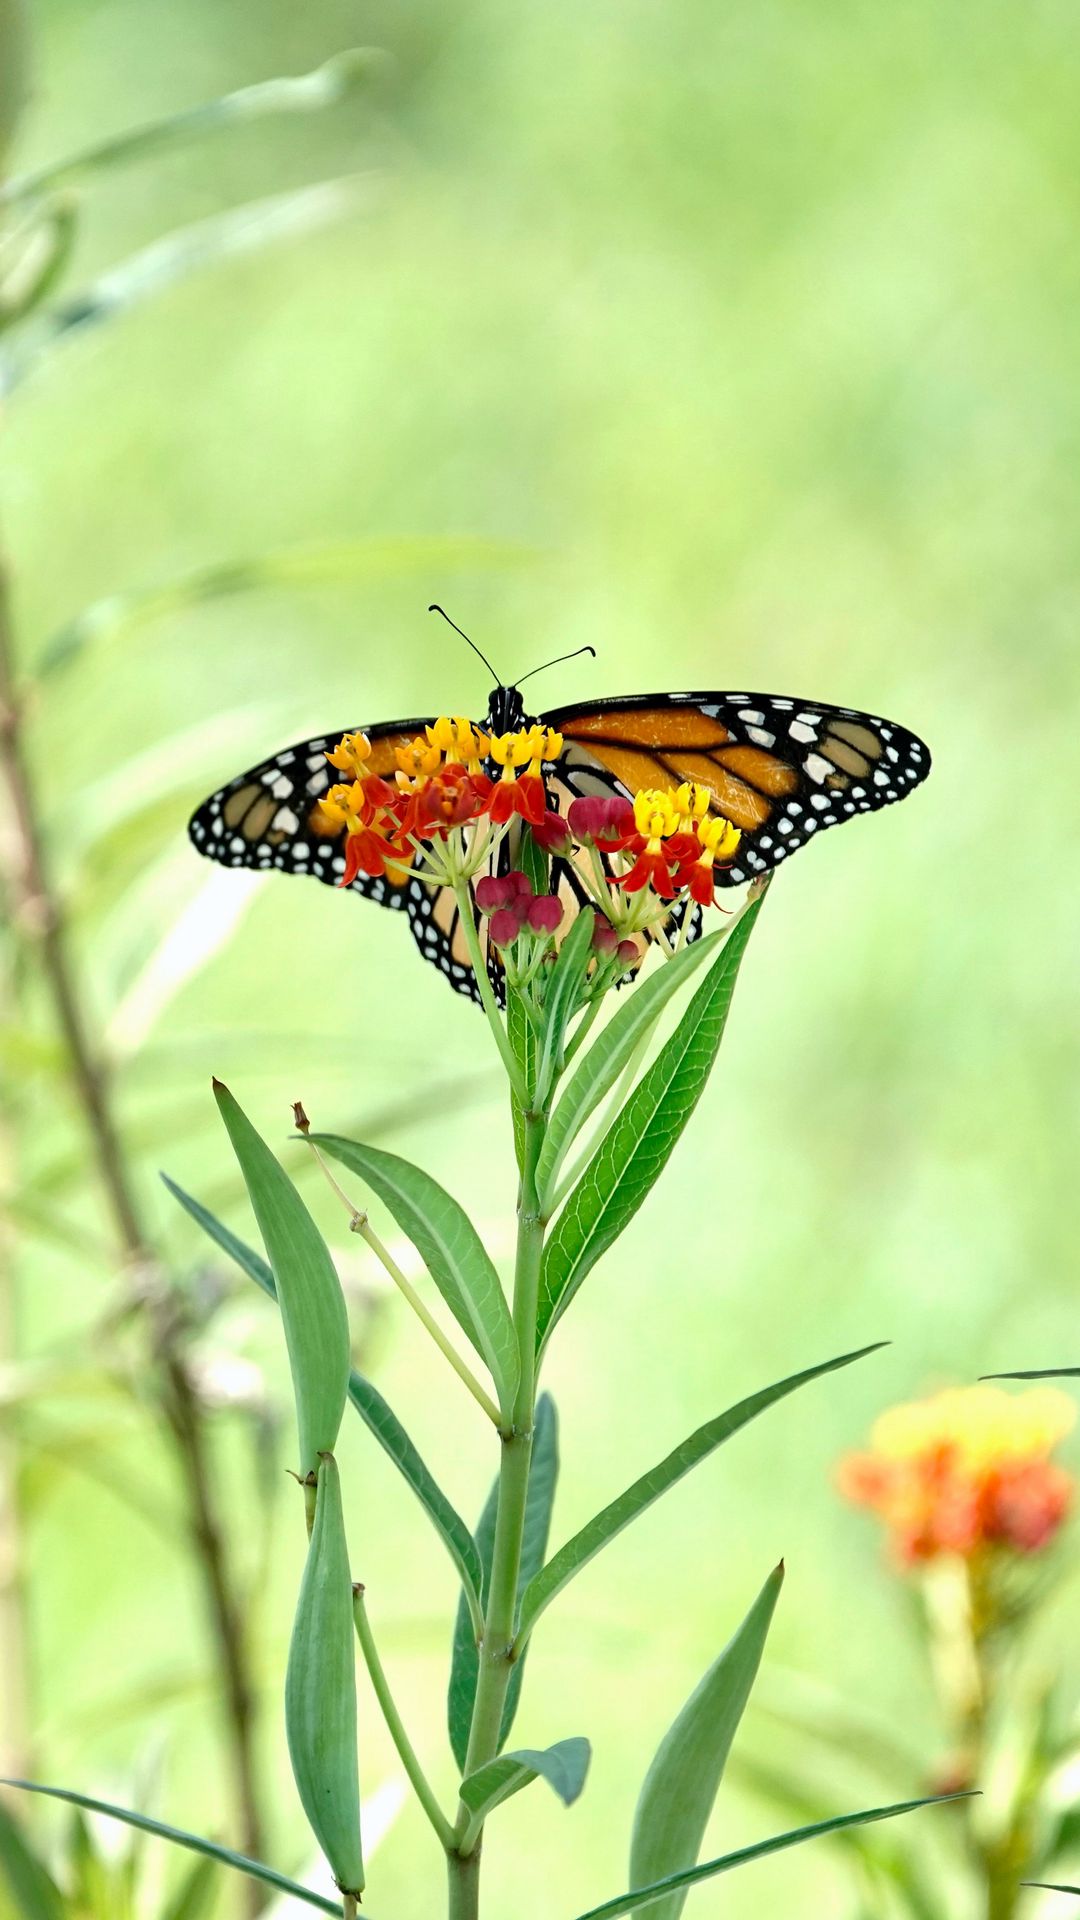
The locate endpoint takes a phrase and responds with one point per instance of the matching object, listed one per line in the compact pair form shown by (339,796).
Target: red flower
(544,914)
(524,796)
(367,850)
(449,798)
(651,869)
(551,832)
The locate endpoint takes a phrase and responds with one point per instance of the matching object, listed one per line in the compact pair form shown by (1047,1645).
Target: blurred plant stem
(37,917)
(965,1614)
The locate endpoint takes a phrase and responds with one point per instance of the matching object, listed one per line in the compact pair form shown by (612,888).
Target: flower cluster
(456,791)
(967,1470)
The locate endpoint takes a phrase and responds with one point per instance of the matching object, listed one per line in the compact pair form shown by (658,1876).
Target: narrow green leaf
(561,997)
(597,1532)
(383,1422)
(324,87)
(377,1415)
(645,1898)
(684,1778)
(636,1148)
(194,1897)
(450,1247)
(598,1070)
(181,1838)
(33,1890)
(308,1290)
(320,1690)
(523,1039)
(1049,1886)
(563,1766)
(464,1664)
(1037,1373)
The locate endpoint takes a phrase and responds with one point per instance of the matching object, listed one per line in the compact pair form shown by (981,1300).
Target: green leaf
(562,994)
(325,86)
(450,1247)
(464,1665)
(683,1780)
(597,1532)
(194,1897)
(1048,1886)
(308,1290)
(595,1075)
(392,1437)
(320,1690)
(523,1040)
(181,1838)
(645,1898)
(635,1150)
(372,1408)
(33,1891)
(563,1766)
(1037,1373)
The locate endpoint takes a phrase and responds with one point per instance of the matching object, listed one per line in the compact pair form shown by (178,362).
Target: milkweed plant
(597,1102)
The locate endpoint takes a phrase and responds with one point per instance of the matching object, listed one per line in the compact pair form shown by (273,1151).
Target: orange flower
(966,1470)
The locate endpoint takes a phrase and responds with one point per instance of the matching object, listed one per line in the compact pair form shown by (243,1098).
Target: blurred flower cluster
(966,1470)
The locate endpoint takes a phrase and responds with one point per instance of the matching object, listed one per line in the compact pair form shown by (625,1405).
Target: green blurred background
(739,342)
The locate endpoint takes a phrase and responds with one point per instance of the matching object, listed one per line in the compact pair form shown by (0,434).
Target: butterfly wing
(780,769)
(268,818)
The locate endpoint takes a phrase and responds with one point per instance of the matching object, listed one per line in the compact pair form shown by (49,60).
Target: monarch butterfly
(780,769)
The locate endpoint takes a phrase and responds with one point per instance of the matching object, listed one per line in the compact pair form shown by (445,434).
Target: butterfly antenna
(435,608)
(578,651)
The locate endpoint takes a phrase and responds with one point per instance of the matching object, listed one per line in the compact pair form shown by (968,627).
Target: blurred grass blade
(199,932)
(1048,1886)
(450,1247)
(165,262)
(563,1766)
(194,1897)
(34,258)
(323,87)
(117,616)
(464,1664)
(372,1408)
(636,1148)
(34,1893)
(14,69)
(684,1778)
(644,1899)
(605,1059)
(308,1289)
(613,1518)
(181,1838)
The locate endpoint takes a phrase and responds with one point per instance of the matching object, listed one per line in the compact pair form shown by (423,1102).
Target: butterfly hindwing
(780,769)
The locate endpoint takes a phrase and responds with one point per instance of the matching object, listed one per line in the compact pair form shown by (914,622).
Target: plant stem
(406,1751)
(496,1022)
(38,913)
(496,1646)
(361,1225)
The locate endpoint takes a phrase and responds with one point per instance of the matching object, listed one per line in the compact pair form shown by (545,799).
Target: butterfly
(780,769)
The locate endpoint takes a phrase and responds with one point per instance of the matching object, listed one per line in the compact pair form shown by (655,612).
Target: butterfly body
(782,770)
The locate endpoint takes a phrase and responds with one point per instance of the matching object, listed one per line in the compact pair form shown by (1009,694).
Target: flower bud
(544,914)
(505,927)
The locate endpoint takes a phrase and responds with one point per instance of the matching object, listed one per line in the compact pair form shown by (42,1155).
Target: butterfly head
(506,711)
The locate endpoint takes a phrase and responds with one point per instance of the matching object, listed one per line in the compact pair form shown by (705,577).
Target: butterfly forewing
(780,769)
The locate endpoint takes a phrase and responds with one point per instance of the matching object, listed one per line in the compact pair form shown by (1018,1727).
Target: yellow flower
(350,754)
(718,837)
(418,760)
(656,812)
(692,800)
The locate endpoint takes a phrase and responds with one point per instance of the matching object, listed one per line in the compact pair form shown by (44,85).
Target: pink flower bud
(501,890)
(551,833)
(505,927)
(544,913)
(599,819)
(604,939)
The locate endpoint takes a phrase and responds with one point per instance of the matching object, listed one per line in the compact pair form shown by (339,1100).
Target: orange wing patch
(650,727)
